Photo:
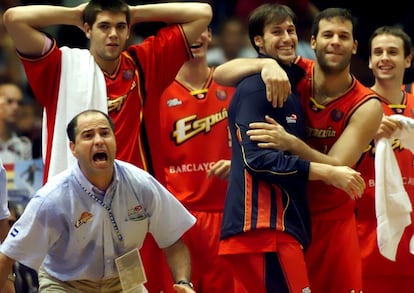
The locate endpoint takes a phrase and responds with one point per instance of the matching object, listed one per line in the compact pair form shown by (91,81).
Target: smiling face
(387,57)
(279,41)
(94,145)
(334,44)
(199,47)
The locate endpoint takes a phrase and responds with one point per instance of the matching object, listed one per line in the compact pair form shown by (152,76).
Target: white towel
(392,203)
(82,86)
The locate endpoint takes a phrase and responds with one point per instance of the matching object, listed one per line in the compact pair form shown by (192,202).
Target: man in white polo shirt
(83,219)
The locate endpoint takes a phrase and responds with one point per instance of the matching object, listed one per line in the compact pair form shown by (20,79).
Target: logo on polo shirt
(137,213)
(14,232)
(85,217)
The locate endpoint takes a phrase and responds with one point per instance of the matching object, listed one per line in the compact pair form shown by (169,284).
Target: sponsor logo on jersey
(291,119)
(315,106)
(174,102)
(199,94)
(85,217)
(116,103)
(189,126)
(191,167)
(398,109)
(321,133)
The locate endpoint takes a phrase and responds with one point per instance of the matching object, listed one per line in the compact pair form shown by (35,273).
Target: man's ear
(313,42)
(355,47)
(87,30)
(258,41)
(72,147)
(408,61)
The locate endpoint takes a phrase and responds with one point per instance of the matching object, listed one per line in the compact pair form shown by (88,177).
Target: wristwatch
(11,277)
(185,282)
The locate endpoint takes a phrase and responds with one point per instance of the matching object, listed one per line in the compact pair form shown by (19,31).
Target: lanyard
(106,207)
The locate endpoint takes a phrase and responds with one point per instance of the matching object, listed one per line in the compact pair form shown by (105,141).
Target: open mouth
(99,157)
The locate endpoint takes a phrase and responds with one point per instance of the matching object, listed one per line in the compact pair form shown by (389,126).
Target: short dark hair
(329,13)
(71,129)
(395,31)
(266,14)
(96,6)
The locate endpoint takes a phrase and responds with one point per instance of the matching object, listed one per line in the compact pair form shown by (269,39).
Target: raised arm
(193,16)
(275,78)
(24,24)
(342,177)
(361,129)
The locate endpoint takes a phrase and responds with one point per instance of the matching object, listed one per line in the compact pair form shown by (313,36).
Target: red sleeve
(161,57)
(305,63)
(43,75)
